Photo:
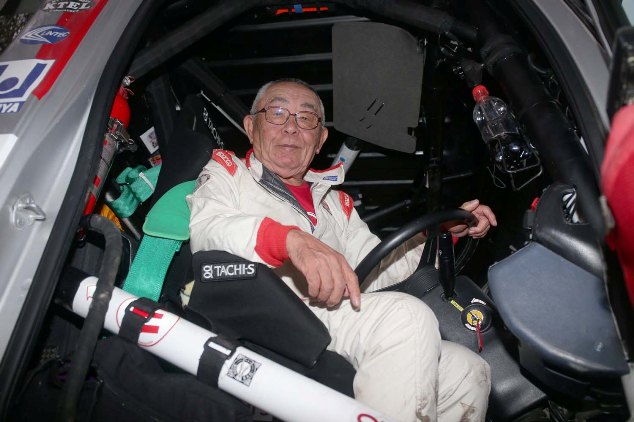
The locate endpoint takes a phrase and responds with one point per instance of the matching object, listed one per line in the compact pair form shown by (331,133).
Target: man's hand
(485,217)
(329,276)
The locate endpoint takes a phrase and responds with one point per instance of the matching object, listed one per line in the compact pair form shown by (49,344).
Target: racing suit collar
(331,176)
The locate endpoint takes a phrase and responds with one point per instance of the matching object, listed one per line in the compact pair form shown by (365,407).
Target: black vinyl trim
(21,345)
(589,119)
(611,17)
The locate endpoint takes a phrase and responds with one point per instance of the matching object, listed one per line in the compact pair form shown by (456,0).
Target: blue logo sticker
(48,34)
(331,178)
(18,79)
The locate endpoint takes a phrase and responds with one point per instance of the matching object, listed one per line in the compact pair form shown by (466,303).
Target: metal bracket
(118,132)
(25,211)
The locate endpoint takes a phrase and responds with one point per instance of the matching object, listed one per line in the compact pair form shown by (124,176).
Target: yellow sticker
(456,305)
(474,317)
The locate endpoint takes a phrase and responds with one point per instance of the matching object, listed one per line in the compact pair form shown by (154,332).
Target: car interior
(396,81)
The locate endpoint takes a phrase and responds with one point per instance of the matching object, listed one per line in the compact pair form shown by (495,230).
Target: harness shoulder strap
(166,227)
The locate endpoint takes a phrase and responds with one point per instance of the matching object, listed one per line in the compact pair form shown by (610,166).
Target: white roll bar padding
(246,375)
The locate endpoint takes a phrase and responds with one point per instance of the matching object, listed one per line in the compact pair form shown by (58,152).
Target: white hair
(267,85)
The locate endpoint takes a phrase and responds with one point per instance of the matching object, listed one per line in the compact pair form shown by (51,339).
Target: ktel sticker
(67,6)
(18,79)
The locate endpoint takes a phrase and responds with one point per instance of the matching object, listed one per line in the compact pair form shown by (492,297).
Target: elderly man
(270,208)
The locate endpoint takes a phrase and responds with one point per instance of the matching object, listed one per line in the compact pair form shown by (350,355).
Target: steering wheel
(390,243)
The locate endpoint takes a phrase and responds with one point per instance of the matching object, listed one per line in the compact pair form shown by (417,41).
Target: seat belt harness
(137,184)
(166,228)
(146,275)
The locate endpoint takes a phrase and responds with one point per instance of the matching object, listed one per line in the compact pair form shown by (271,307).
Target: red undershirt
(305,199)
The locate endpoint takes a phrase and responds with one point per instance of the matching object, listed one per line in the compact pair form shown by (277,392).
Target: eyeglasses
(279,116)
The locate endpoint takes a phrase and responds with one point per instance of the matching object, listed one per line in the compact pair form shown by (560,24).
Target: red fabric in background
(617,184)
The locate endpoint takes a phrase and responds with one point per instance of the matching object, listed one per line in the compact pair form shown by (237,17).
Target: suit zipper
(300,211)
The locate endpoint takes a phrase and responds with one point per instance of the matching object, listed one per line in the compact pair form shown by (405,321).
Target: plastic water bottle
(499,131)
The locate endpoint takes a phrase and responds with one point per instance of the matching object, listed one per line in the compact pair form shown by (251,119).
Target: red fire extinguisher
(115,140)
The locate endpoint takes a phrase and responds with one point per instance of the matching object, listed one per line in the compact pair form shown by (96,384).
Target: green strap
(145,278)
(169,217)
(166,228)
(137,185)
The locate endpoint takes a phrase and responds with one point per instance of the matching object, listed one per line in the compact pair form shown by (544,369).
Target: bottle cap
(479,91)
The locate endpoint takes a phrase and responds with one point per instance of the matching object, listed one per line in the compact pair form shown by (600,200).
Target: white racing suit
(403,368)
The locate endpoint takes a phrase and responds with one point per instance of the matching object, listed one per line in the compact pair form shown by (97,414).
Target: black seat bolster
(244,297)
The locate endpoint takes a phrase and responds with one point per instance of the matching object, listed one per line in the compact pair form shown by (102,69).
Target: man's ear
(322,138)
(247,122)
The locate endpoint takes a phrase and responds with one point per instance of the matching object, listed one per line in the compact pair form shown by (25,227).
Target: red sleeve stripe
(270,243)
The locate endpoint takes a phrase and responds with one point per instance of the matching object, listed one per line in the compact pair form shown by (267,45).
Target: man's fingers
(470,205)
(483,224)
(327,273)
(331,286)
(481,229)
(459,230)
(352,287)
(345,284)
(486,219)
(484,214)
(314,284)
(336,294)
(489,215)
(326,289)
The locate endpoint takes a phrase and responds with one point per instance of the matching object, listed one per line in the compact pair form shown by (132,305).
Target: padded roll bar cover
(262,310)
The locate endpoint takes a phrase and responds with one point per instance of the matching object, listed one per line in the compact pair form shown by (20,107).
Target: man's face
(286,149)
